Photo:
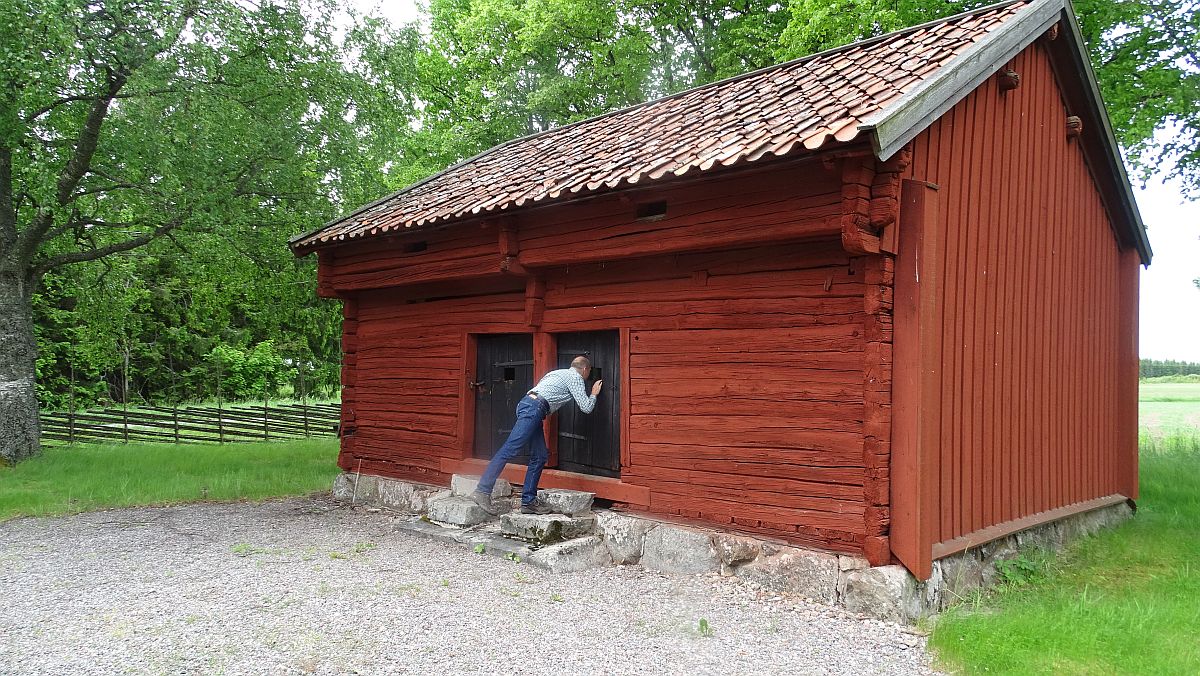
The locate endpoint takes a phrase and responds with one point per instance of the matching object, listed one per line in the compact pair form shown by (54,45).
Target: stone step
(561,557)
(547,528)
(458,511)
(563,501)
(464,484)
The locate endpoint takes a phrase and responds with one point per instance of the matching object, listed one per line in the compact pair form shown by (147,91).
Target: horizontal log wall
(795,200)
(430,257)
(745,363)
(745,383)
(1031,288)
(792,202)
(408,378)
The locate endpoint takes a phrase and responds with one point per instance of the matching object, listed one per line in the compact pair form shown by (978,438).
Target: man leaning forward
(555,389)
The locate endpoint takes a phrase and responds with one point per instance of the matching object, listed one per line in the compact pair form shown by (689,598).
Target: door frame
(544,356)
(611,350)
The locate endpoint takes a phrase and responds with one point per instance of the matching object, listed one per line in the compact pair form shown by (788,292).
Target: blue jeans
(526,431)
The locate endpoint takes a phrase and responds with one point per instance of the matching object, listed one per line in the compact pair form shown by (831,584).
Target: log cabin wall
(744,366)
(1034,361)
(745,383)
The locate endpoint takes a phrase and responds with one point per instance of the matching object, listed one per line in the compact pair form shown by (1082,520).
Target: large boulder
(623,535)
(671,549)
(962,574)
(355,488)
(407,495)
(812,575)
(884,592)
(734,549)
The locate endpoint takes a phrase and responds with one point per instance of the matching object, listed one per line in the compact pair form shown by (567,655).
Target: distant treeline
(1154,368)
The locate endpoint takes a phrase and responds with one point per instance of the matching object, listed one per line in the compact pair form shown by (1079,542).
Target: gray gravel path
(306,586)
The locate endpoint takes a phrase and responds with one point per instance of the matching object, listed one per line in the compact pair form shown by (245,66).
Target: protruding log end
(1009,80)
(1074,127)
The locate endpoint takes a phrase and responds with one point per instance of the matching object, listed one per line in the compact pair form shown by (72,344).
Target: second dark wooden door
(590,442)
(503,374)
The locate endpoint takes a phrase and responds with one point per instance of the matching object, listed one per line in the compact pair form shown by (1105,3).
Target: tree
(123,122)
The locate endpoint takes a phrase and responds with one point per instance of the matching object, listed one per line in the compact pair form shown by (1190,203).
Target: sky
(1169,325)
(1170,303)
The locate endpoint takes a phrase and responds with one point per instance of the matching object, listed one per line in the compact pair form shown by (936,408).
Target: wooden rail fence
(191,424)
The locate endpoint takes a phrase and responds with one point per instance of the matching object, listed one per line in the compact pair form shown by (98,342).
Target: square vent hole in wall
(652,211)
(510,374)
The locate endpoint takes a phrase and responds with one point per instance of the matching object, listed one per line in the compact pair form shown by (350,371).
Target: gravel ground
(306,586)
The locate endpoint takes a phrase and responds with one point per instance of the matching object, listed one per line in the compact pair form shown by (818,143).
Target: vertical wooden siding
(1031,297)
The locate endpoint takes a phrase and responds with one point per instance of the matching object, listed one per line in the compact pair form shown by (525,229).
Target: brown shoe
(536,507)
(485,502)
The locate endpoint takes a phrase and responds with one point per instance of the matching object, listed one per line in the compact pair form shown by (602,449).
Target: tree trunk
(20,436)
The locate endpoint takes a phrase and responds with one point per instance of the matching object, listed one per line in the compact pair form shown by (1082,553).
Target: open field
(1124,601)
(87,477)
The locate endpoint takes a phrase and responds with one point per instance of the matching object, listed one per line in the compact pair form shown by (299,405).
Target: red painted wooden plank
(466,395)
(1127,369)
(916,401)
(545,359)
(1003,325)
(625,366)
(985,338)
(824,338)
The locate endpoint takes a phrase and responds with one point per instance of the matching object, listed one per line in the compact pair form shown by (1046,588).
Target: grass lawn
(86,477)
(1123,602)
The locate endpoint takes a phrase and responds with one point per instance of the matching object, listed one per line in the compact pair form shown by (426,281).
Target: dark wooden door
(590,442)
(504,373)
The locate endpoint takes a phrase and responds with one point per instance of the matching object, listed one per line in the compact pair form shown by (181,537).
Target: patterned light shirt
(559,387)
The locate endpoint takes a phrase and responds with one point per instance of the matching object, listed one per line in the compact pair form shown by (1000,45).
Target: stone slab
(547,528)
(507,548)
(623,535)
(457,511)
(430,531)
(563,501)
(572,556)
(679,550)
(465,484)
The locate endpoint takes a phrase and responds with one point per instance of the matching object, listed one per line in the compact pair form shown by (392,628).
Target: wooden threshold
(985,535)
(604,487)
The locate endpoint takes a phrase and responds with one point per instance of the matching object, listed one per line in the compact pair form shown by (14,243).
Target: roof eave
(904,120)
(1112,150)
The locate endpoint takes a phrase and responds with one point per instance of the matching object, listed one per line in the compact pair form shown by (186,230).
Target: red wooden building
(879,300)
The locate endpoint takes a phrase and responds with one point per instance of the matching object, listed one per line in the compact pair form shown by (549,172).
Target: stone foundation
(884,592)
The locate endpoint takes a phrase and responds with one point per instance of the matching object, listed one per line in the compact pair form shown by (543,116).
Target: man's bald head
(582,364)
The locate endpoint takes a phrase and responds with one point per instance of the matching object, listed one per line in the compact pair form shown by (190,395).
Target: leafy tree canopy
(155,155)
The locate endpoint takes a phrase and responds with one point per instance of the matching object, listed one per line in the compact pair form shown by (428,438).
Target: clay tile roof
(827,98)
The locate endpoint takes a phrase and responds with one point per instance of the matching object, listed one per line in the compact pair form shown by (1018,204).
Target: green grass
(87,477)
(1169,392)
(1126,601)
